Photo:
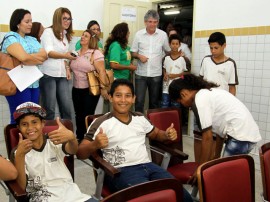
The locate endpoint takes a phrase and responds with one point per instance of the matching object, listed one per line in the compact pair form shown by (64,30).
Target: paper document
(24,76)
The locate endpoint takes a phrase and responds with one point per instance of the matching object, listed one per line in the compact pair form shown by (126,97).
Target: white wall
(216,14)
(42,11)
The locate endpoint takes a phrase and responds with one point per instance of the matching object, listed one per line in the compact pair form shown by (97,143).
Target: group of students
(120,134)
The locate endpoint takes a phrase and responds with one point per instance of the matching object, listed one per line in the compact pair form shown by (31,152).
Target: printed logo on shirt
(128,55)
(221,72)
(52,159)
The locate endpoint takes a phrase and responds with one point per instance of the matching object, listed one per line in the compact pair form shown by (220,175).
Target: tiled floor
(85,179)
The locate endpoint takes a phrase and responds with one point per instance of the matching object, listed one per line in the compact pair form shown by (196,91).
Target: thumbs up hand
(101,139)
(24,146)
(171,133)
(61,135)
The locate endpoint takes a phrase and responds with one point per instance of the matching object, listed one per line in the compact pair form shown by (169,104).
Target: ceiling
(184,18)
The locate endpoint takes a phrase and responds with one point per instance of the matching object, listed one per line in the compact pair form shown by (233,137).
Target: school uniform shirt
(173,66)
(120,56)
(126,140)
(82,65)
(29,44)
(222,74)
(48,178)
(54,67)
(153,47)
(222,112)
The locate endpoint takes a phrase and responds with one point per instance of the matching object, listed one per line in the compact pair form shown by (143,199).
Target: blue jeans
(167,102)
(154,88)
(54,89)
(137,174)
(236,147)
(28,95)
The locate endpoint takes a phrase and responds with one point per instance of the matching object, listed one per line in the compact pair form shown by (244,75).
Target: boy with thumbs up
(120,135)
(39,158)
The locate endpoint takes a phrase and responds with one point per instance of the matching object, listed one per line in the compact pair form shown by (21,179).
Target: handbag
(7,62)
(94,79)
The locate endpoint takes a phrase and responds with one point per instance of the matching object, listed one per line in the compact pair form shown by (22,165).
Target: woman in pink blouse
(85,103)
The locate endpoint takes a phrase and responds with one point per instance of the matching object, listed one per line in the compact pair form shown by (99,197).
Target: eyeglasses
(67,19)
(96,29)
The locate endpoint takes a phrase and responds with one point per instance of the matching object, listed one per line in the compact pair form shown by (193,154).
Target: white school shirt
(225,114)
(173,66)
(153,47)
(53,67)
(222,74)
(48,177)
(126,140)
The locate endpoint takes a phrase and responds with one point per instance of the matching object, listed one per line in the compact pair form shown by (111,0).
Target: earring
(18,26)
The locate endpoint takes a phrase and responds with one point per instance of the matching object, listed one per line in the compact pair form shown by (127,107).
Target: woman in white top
(54,85)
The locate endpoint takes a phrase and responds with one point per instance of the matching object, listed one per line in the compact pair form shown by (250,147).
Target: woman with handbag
(90,58)
(27,50)
(54,85)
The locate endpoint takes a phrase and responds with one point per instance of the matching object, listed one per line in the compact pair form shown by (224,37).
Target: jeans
(54,89)
(84,104)
(167,102)
(154,88)
(28,95)
(236,147)
(137,174)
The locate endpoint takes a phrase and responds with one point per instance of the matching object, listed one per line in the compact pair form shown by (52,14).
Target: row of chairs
(173,162)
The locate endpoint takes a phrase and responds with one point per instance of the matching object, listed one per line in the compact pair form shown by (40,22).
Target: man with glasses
(148,47)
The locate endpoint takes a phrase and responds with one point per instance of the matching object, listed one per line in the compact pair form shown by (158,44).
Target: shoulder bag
(7,62)
(94,79)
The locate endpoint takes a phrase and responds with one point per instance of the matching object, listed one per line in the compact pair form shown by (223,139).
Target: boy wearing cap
(39,157)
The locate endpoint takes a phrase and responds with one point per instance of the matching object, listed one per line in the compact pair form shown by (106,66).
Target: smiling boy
(120,135)
(39,158)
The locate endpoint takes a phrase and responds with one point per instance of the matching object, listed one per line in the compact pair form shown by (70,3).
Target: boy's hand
(61,135)
(165,77)
(143,58)
(101,140)
(171,133)
(24,145)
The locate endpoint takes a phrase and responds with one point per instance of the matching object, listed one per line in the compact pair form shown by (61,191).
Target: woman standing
(54,85)
(90,58)
(27,50)
(117,52)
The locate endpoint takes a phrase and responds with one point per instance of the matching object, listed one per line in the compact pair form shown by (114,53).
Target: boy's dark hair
(217,37)
(174,37)
(121,82)
(189,82)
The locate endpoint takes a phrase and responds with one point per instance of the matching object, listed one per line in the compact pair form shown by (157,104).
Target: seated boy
(39,157)
(121,136)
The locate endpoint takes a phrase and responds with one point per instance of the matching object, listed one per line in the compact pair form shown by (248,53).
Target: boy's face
(187,98)
(216,49)
(31,127)
(174,45)
(122,99)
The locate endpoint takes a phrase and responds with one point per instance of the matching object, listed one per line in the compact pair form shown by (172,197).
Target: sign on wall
(128,14)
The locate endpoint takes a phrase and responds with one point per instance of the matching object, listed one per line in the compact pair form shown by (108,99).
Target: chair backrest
(227,179)
(162,119)
(90,118)
(169,190)
(265,169)
(12,138)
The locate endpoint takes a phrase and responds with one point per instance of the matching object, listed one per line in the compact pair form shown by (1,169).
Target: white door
(112,16)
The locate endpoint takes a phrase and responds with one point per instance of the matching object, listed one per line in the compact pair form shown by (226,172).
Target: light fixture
(165,6)
(171,12)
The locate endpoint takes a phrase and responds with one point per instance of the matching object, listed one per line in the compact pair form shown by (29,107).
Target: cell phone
(74,54)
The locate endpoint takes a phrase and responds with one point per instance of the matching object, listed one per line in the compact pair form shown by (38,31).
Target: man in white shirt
(148,47)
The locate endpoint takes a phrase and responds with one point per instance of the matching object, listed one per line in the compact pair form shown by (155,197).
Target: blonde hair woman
(54,84)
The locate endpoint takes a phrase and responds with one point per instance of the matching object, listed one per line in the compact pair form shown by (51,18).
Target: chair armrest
(173,148)
(100,162)
(18,193)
